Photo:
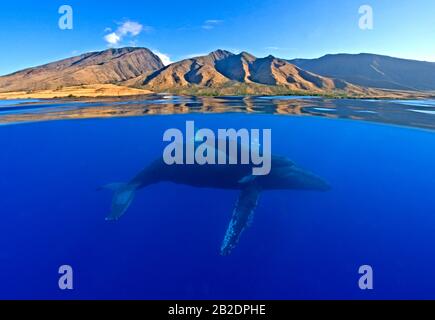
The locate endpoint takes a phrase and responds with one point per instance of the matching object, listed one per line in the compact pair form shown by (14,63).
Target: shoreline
(115,91)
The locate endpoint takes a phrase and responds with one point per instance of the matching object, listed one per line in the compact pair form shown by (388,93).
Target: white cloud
(166,59)
(130,27)
(194,55)
(125,29)
(211,24)
(112,38)
(215,21)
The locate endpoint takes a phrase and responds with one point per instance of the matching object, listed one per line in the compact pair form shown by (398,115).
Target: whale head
(294,177)
(298,178)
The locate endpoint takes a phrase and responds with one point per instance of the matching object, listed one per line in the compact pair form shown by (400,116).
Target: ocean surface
(378,156)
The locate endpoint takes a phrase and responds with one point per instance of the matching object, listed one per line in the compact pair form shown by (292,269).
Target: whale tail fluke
(123,196)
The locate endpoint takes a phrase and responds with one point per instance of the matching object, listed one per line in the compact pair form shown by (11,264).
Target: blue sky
(30,34)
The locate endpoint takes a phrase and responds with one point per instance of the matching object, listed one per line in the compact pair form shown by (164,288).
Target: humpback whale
(284,175)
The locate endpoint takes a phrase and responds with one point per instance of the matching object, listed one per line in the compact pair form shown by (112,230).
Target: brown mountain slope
(196,71)
(218,73)
(90,90)
(223,69)
(109,66)
(372,70)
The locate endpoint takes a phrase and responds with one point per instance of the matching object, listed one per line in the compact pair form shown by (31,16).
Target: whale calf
(284,175)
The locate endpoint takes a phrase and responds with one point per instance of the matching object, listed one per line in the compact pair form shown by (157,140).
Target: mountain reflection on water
(411,113)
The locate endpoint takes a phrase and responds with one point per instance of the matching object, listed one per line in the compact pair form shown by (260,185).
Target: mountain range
(223,72)
(371,70)
(111,66)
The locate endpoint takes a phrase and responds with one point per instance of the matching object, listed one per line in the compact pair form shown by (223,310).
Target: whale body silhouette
(284,175)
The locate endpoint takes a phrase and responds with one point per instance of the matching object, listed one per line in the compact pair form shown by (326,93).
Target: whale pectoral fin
(122,198)
(242,217)
(248,179)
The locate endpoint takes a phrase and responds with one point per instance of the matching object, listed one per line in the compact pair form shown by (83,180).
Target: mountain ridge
(101,67)
(222,68)
(373,70)
(222,72)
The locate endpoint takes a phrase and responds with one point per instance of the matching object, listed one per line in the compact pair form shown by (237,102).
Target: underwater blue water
(301,245)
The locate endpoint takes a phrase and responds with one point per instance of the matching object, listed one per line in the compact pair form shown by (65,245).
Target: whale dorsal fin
(242,216)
